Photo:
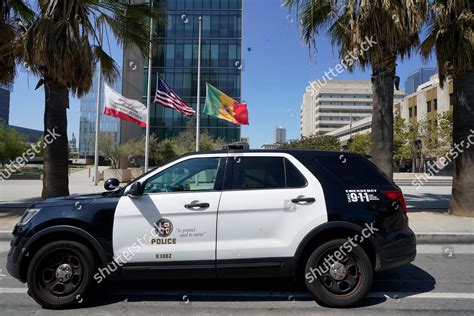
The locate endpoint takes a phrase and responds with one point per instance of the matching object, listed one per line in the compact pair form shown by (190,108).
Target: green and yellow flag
(224,107)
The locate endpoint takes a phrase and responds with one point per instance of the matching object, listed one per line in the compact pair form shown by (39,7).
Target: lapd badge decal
(164,227)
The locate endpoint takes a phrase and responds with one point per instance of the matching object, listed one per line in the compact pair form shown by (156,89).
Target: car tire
(61,275)
(339,283)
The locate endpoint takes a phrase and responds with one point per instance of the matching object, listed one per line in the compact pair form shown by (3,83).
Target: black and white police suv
(328,218)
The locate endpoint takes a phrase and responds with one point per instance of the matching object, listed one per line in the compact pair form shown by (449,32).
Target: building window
(428,106)
(415,110)
(410,112)
(436,104)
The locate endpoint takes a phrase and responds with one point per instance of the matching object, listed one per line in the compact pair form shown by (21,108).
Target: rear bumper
(400,250)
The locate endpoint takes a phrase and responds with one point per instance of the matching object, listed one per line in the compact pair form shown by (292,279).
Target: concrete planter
(123,175)
(136,172)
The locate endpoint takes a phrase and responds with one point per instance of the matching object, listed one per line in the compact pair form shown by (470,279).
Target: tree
(400,141)
(451,37)
(359,143)
(161,152)
(321,142)
(62,46)
(14,15)
(12,144)
(392,26)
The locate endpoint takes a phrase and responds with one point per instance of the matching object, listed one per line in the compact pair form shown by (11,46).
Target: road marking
(284,295)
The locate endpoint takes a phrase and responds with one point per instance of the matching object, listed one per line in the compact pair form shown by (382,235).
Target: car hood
(74,199)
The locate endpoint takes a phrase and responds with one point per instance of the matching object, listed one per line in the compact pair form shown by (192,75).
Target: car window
(353,170)
(197,174)
(258,173)
(294,178)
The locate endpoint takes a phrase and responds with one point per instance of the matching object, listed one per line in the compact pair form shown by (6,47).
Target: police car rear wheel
(60,274)
(341,281)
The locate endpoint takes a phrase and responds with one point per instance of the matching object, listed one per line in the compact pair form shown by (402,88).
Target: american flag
(168,98)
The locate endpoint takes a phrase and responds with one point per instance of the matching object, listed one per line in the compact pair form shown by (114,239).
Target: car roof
(294,152)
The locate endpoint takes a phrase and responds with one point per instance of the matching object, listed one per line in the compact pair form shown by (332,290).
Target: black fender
(321,229)
(63,229)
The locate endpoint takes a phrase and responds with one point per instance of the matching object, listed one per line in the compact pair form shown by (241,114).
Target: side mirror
(112,184)
(136,189)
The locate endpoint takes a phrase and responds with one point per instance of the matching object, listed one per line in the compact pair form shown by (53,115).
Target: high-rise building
(279,135)
(4,103)
(337,104)
(417,78)
(175,58)
(107,124)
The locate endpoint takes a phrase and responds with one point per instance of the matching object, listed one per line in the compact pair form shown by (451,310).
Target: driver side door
(175,218)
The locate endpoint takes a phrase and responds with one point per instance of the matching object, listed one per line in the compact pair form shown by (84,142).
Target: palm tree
(62,46)
(451,36)
(14,14)
(393,25)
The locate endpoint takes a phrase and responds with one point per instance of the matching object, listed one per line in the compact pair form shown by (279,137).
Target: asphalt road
(440,281)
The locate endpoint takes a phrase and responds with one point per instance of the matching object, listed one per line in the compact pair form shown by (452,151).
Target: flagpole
(148,99)
(198,107)
(97,119)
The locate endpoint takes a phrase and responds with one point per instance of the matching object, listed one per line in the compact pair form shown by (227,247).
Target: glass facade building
(175,58)
(87,120)
(417,78)
(5,103)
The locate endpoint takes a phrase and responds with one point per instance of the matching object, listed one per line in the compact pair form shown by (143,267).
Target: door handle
(196,205)
(304,199)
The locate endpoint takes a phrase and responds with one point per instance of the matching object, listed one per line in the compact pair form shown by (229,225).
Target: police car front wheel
(60,274)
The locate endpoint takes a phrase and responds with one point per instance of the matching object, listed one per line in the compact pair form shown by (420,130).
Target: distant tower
(73,144)
(279,136)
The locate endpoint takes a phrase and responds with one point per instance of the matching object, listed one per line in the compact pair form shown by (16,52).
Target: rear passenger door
(269,203)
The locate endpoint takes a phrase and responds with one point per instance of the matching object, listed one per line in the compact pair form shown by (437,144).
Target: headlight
(29,214)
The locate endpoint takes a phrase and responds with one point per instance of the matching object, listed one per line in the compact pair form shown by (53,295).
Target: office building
(426,103)
(107,124)
(337,104)
(4,103)
(175,58)
(417,78)
(279,135)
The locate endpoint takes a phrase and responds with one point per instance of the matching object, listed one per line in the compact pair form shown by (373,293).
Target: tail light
(397,196)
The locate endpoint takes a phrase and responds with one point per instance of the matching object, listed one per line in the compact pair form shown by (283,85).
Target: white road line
(285,295)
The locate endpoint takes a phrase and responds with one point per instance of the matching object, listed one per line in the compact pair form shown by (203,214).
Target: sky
(277,67)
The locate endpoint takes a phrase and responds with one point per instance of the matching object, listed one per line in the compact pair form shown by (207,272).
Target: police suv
(329,219)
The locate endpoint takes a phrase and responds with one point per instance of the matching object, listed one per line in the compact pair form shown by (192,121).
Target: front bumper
(17,251)
(400,250)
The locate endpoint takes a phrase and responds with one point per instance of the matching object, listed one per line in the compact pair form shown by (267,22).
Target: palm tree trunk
(55,156)
(383,76)
(462,198)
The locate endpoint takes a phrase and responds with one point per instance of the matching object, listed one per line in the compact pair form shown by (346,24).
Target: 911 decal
(361,195)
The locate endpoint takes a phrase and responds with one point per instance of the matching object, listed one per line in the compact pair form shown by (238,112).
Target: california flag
(118,106)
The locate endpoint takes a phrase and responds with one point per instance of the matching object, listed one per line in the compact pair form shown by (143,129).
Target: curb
(421,238)
(445,238)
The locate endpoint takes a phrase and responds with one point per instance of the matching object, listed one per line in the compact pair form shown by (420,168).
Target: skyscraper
(175,58)
(107,124)
(4,103)
(417,78)
(279,135)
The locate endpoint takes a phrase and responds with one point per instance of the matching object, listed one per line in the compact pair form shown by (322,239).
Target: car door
(175,218)
(270,202)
